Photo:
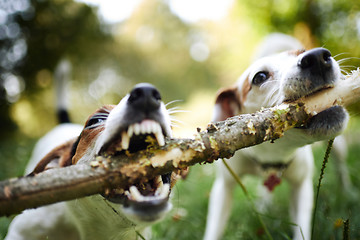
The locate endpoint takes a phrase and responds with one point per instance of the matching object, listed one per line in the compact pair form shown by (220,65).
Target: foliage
(38,35)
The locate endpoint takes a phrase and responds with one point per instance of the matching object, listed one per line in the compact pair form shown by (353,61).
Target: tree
(36,35)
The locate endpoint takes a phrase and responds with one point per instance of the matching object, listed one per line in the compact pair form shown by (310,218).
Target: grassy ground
(187,220)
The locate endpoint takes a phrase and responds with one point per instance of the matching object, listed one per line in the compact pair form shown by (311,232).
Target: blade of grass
(346,231)
(139,235)
(322,172)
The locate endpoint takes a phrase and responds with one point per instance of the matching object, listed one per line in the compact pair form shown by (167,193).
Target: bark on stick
(219,140)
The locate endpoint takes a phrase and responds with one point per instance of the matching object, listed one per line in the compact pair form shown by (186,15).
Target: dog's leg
(301,207)
(299,174)
(339,154)
(220,204)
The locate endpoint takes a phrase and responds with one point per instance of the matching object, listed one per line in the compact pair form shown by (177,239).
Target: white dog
(120,213)
(267,82)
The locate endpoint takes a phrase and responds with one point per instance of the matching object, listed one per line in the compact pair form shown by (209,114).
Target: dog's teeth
(125,140)
(137,128)
(143,128)
(160,138)
(130,131)
(155,127)
(165,190)
(127,193)
(161,193)
(135,194)
(149,128)
(160,185)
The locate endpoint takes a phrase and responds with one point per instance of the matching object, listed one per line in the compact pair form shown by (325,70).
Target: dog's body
(118,213)
(267,82)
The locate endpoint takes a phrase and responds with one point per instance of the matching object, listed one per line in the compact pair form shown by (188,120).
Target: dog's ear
(227,104)
(59,157)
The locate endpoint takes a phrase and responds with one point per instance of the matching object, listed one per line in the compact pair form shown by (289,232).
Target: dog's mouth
(145,200)
(310,93)
(331,115)
(149,198)
(135,137)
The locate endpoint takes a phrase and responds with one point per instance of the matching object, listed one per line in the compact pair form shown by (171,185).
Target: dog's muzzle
(142,123)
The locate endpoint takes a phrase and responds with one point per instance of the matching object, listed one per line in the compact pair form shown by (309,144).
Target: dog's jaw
(127,128)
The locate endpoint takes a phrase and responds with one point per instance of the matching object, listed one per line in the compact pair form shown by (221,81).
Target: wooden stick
(219,140)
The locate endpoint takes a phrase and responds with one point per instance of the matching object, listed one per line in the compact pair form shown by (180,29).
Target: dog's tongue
(272,181)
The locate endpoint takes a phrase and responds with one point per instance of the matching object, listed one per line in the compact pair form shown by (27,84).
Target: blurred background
(187,49)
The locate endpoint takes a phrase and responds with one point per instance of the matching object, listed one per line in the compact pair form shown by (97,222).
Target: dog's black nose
(316,59)
(145,97)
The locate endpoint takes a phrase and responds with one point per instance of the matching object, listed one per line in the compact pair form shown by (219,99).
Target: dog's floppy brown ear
(59,157)
(227,104)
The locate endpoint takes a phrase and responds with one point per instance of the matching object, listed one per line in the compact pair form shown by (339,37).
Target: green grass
(190,199)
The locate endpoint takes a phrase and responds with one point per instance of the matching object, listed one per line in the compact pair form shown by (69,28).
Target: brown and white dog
(121,213)
(267,82)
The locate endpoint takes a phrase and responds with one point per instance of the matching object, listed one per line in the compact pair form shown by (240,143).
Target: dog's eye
(95,121)
(260,78)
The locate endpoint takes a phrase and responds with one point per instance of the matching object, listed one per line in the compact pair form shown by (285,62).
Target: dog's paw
(328,123)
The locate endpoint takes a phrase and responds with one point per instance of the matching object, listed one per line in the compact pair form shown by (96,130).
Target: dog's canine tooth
(125,140)
(165,190)
(135,194)
(160,138)
(160,185)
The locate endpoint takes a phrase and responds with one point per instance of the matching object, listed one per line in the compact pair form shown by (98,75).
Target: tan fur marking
(245,89)
(60,154)
(88,136)
(296,52)
(87,141)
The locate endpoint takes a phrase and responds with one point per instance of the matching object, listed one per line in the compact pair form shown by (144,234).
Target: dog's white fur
(92,217)
(291,151)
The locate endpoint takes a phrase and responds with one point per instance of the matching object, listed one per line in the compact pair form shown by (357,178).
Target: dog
(117,213)
(269,81)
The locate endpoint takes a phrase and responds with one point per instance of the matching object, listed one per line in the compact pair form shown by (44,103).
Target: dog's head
(282,77)
(114,129)
(277,78)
